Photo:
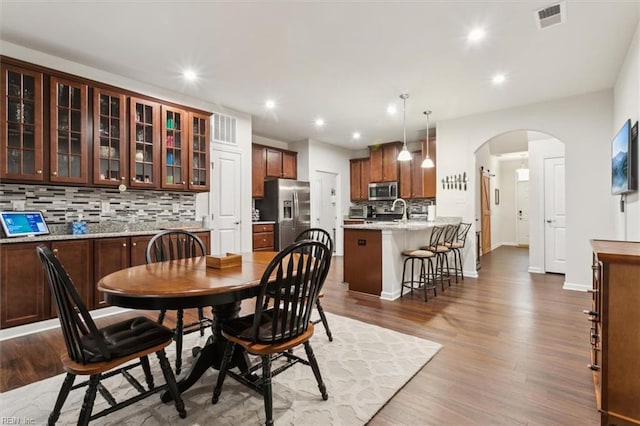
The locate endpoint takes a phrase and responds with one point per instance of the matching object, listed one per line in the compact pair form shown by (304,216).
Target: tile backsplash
(62,204)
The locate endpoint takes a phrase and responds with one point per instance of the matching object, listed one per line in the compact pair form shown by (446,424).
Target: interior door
(485,206)
(225,202)
(555,236)
(522,213)
(326,199)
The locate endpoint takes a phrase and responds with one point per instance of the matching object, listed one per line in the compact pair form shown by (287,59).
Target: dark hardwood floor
(515,348)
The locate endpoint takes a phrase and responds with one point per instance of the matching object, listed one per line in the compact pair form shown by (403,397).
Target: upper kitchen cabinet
(175,148)
(21,148)
(411,177)
(144,140)
(199,170)
(429,175)
(360,168)
(281,163)
(68,142)
(258,170)
(384,163)
(111,147)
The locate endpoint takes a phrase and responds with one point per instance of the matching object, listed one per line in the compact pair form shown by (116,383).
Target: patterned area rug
(363,368)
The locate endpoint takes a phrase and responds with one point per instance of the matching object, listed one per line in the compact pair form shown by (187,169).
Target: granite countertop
(411,225)
(106,230)
(263,222)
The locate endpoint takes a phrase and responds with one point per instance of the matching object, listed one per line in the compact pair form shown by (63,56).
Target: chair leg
(170,379)
(323,317)
(316,370)
(445,256)
(178,338)
(266,389)
(201,321)
(144,361)
(62,397)
(226,359)
(89,398)
(161,316)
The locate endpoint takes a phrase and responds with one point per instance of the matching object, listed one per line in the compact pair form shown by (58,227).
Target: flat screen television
(22,224)
(624,170)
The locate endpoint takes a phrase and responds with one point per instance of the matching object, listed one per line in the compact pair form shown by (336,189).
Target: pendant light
(404,154)
(427,163)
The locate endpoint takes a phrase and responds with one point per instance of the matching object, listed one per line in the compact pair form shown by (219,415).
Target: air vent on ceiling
(224,128)
(551,15)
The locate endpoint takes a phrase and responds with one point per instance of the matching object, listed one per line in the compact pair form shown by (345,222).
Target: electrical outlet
(176,208)
(17,205)
(105,207)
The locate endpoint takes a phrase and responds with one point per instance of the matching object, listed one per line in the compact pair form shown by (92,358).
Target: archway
(517,166)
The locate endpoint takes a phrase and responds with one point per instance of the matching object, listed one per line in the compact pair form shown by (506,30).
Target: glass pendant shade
(404,154)
(427,163)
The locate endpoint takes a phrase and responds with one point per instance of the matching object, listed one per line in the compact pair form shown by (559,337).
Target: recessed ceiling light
(391,109)
(498,79)
(319,122)
(270,104)
(476,35)
(190,75)
(356,135)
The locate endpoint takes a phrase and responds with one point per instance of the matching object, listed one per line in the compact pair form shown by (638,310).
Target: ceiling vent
(551,15)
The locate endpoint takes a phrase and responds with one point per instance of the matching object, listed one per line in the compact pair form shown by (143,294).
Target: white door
(522,213)
(224,202)
(326,199)
(555,235)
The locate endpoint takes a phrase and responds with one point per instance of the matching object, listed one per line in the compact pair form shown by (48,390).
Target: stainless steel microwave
(383,191)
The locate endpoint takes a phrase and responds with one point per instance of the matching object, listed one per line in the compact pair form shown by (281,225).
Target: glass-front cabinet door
(68,125)
(110,150)
(21,147)
(199,169)
(144,140)
(175,166)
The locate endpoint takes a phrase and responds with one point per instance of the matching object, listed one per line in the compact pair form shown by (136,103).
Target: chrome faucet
(404,212)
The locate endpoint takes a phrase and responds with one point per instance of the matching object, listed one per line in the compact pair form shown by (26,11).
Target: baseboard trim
(535,270)
(576,286)
(36,327)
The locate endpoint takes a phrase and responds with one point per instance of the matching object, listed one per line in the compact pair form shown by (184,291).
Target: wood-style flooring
(515,348)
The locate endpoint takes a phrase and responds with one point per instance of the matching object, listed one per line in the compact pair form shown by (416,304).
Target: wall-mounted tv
(624,170)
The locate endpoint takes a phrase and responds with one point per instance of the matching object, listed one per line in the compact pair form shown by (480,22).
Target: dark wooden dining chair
(293,279)
(172,245)
(104,352)
(319,234)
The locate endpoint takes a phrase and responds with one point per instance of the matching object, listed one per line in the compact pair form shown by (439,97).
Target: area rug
(363,368)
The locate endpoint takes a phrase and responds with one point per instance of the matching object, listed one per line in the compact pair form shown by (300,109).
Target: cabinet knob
(122,178)
(124,244)
(134,244)
(183,182)
(54,173)
(55,252)
(39,172)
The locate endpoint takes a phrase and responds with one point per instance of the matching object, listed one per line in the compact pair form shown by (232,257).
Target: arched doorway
(520,198)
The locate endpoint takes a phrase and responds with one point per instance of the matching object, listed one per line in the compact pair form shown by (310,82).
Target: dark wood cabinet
(145,147)
(384,162)
(258,170)
(110,255)
(411,177)
(174,158)
(359,174)
(24,296)
(263,237)
(199,169)
(139,249)
(205,237)
(110,141)
(614,334)
(76,256)
(21,147)
(268,162)
(429,175)
(68,138)
(359,244)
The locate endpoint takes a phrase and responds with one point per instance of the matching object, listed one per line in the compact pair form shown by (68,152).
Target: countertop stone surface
(263,222)
(106,230)
(410,225)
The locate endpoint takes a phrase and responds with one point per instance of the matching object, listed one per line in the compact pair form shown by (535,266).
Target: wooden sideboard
(615,331)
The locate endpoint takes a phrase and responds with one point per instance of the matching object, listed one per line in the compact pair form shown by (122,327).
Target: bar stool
(456,247)
(426,277)
(436,246)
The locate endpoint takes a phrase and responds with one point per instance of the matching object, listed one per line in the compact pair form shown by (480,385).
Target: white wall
(627,105)
(583,123)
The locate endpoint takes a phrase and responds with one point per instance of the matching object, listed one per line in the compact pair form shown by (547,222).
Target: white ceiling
(345,61)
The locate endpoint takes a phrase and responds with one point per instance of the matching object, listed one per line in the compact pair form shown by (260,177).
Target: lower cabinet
(110,255)
(263,237)
(363,260)
(75,256)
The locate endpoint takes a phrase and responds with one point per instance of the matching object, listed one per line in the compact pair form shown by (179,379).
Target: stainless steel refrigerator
(287,202)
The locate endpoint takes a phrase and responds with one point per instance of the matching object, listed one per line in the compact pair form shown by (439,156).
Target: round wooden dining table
(189,283)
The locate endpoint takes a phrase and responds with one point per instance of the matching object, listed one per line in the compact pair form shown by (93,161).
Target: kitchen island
(373,254)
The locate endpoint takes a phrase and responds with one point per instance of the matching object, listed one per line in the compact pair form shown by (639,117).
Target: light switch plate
(176,208)
(105,207)
(17,205)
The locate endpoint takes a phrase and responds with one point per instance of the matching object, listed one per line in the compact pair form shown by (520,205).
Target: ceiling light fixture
(270,104)
(319,122)
(391,110)
(499,79)
(476,35)
(404,154)
(190,75)
(427,163)
(356,135)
